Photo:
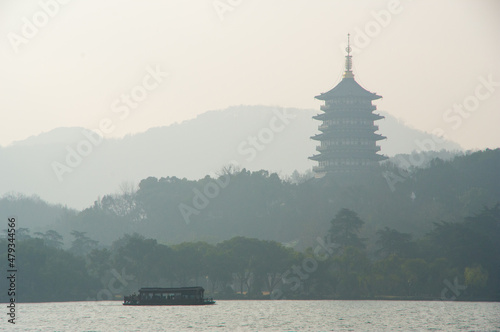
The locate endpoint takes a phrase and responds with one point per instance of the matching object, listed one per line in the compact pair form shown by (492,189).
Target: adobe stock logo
(483,91)
(201,200)
(255,144)
(31,27)
(223,7)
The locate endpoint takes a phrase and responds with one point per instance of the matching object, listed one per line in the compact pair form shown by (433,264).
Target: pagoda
(348,138)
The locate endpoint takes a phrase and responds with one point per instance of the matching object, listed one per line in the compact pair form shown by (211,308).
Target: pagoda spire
(348,59)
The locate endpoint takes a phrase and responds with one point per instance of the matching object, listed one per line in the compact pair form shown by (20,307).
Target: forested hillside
(453,261)
(406,233)
(297,210)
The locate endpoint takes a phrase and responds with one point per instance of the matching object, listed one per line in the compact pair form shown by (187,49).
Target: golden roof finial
(348,59)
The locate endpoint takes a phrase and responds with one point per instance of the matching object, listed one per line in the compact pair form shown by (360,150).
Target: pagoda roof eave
(337,114)
(347,134)
(346,88)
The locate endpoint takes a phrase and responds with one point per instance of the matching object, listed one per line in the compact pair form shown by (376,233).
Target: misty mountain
(74,166)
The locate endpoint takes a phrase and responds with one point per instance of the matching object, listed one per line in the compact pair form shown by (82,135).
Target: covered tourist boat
(168,296)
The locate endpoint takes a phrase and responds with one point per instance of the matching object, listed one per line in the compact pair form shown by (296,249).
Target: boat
(168,296)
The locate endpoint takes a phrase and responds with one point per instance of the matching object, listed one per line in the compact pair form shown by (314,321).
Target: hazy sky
(436,63)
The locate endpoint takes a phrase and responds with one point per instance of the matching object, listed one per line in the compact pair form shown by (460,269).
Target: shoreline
(409,299)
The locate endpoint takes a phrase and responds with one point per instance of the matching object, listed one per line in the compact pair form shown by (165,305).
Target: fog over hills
(73,166)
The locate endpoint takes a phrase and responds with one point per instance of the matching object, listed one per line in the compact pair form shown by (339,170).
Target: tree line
(260,204)
(457,260)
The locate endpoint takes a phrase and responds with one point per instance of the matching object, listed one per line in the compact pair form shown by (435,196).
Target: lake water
(259,316)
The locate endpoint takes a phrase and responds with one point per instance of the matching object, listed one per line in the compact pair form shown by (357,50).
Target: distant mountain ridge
(73,166)
(55,136)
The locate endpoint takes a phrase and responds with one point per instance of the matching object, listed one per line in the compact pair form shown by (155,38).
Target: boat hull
(167,304)
(152,304)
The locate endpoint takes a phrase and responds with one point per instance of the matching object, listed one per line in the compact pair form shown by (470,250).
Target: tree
(345,228)
(99,262)
(475,278)
(392,242)
(138,256)
(51,274)
(189,261)
(461,244)
(51,238)
(351,270)
(241,253)
(416,273)
(218,268)
(82,244)
(23,233)
(388,277)
(274,260)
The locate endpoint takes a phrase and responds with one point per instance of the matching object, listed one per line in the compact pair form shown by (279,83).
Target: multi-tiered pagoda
(348,138)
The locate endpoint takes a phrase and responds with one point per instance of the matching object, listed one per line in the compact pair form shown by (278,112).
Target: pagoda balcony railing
(344,168)
(349,148)
(347,127)
(339,135)
(349,107)
(350,115)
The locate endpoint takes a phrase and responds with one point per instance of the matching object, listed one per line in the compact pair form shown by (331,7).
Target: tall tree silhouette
(345,229)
